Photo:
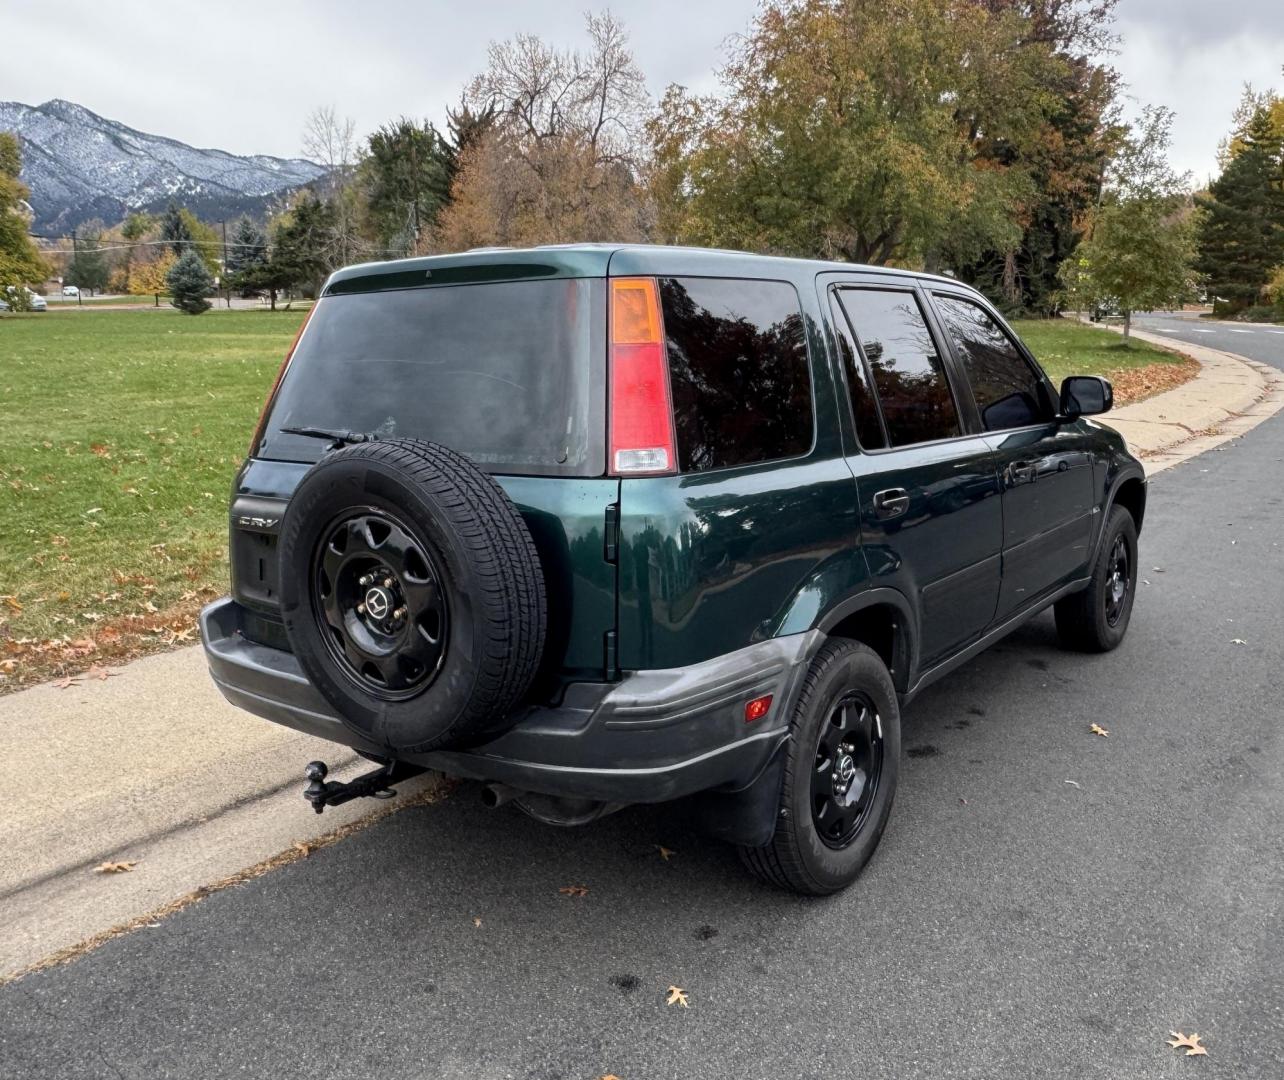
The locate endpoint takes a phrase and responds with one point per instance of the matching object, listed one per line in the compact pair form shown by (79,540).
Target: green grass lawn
(121,434)
(122,431)
(1065,347)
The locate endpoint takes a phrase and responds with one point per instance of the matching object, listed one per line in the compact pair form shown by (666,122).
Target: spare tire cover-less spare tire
(412,594)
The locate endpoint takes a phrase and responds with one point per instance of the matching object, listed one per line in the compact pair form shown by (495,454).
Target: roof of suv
(586,260)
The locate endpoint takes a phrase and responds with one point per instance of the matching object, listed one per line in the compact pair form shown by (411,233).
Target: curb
(1186,422)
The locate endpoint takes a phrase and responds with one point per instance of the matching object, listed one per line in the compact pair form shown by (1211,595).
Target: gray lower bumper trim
(653,736)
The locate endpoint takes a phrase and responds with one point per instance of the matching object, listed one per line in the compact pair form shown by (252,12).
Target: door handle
(891,503)
(1021,472)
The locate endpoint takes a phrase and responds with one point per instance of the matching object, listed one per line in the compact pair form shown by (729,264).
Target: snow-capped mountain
(80,165)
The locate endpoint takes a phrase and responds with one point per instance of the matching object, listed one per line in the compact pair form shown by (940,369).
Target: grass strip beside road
(1137,369)
(122,431)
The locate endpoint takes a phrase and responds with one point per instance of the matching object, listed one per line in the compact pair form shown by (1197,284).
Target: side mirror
(1086,395)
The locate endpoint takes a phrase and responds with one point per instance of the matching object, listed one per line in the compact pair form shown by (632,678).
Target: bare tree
(560,161)
(329,140)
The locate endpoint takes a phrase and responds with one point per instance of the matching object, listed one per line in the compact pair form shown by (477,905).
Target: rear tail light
(280,374)
(641,413)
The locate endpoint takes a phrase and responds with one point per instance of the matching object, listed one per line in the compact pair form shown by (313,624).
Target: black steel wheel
(1118,580)
(849,766)
(840,771)
(1095,619)
(377,591)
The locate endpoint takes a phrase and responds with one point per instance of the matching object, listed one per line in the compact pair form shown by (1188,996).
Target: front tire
(1096,618)
(840,777)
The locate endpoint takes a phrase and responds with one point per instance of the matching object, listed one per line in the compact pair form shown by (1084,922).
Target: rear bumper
(653,736)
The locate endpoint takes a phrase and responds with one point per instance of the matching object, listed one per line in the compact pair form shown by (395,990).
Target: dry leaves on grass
(1190,1043)
(574,890)
(114,867)
(1097,729)
(677,996)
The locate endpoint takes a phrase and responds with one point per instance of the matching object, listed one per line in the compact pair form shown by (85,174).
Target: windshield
(508,373)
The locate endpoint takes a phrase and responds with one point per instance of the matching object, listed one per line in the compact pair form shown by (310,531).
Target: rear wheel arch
(883,620)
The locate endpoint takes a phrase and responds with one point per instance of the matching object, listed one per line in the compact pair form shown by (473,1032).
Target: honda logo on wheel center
(378,602)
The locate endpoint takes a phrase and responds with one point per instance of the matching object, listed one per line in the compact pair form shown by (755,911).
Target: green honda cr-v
(599,525)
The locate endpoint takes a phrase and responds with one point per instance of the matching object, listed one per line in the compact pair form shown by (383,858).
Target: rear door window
(908,373)
(1007,390)
(511,374)
(738,371)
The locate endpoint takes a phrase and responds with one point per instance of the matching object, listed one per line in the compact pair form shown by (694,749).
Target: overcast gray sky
(243,76)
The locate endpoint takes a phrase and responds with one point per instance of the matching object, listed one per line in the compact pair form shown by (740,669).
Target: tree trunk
(1127,324)
(272,298)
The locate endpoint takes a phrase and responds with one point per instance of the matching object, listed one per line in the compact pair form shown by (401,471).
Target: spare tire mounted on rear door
(412,594)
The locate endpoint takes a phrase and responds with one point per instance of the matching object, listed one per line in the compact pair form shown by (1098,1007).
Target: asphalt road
(1258,341)
(1012,924)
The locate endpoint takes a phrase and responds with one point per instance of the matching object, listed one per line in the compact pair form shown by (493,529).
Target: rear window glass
(508,373)
(738,370)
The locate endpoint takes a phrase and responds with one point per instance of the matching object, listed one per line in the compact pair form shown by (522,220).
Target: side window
(1008,392)
(869,429)
(738,370)
(909,377)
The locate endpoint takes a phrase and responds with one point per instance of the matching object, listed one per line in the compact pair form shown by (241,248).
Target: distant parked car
(34,301)
(70,290)
(3,306)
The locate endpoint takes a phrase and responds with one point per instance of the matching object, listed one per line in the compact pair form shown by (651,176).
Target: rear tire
(1096,618)
(812,852)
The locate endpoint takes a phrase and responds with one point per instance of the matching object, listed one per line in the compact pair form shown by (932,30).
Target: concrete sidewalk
(1230,395)
(153,765)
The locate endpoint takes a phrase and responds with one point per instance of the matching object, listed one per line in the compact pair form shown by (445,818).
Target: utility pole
(75,254)
(227,292)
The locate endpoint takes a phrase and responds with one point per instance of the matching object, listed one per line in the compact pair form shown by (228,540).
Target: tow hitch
(372,785)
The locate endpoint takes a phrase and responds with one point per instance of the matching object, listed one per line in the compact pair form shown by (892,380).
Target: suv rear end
(657,432)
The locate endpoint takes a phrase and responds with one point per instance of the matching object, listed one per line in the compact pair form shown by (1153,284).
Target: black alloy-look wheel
(1095,619)
(849,766)
(840,771)
(378,595)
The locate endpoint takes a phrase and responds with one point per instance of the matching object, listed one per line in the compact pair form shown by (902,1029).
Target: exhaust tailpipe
(495,795)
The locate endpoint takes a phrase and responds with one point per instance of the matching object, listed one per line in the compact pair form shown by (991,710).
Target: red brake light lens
(757,708)
(641,437)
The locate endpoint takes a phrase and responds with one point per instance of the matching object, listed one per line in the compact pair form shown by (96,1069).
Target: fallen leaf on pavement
(1097,729)
(100,673)
(303,849)
(574,890)
(609,1076)
(62,684)
(665,853)
(477,921)
(114,867)
(677,996)
(1238,641)
(1190,1043)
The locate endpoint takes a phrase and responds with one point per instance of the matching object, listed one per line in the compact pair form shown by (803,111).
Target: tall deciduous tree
(20,262)
(559,160)
(89,268)
(1242,236)
(855,129)
(1141,245)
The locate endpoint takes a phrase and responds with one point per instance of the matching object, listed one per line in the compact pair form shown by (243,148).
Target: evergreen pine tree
(1242,235)
(248,246)
(174,230)
(190,282)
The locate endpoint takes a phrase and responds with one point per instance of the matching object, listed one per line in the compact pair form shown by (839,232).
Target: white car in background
(70,290)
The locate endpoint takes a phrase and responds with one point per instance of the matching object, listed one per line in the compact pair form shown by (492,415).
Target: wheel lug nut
(366,579)
(400,613)
(361,609)
(388,583)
